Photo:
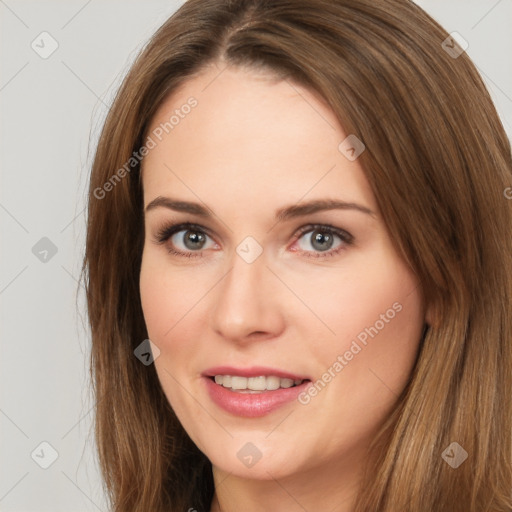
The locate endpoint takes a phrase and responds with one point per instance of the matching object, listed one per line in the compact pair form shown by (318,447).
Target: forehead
(244,137)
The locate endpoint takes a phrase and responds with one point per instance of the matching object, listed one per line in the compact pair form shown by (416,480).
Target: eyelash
(168,231)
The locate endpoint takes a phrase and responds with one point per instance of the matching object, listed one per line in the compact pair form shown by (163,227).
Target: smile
(252,392)
(255,384)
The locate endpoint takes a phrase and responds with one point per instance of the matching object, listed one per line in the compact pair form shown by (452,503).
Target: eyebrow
(289,212)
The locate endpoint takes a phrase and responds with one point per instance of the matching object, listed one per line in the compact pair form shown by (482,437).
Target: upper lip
(253,371)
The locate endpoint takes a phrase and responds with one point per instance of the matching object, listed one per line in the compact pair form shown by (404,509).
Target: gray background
(51,113)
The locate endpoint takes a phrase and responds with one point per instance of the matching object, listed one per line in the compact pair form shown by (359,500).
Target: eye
(315,241)
(320,240)
(186,239)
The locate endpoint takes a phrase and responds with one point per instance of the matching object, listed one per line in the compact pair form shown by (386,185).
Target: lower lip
(252,405)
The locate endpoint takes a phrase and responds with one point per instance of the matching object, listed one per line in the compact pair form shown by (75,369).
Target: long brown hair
(439,163)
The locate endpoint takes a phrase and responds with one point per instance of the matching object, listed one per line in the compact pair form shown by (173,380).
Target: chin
(252,456)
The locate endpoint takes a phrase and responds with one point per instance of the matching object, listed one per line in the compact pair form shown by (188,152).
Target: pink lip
(251,405)
(253,371)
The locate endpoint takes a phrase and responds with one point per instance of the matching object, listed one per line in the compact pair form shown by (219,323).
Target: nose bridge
(241,281)
(244,301)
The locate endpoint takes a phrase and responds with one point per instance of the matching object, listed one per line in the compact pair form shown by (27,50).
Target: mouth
(252,392)
(258,384)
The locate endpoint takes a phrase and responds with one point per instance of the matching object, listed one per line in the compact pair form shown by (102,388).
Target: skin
(252,145)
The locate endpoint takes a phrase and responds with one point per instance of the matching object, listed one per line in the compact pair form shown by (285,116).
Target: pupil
(320,238)
(194,239)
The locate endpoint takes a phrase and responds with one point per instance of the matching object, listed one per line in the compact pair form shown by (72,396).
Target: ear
(431,315)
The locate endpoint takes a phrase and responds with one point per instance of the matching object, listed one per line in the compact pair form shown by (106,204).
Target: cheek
(175,307)
(378,320)
(373,318)
(157,302)
(381,327)
(167,297)
(165,306)
(351,301)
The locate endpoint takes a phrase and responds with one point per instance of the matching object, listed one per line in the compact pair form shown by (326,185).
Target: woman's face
(264,297)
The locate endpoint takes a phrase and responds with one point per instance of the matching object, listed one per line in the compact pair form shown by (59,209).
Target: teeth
(257,383)
(260,383)
(273,382)
(238,382)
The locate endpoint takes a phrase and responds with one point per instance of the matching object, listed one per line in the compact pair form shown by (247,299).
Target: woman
(303,205)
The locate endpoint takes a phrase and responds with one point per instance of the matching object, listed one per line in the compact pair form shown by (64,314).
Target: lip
(253,371)
(251,405)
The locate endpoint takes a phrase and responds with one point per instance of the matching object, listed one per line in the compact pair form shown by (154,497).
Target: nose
(247,302)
